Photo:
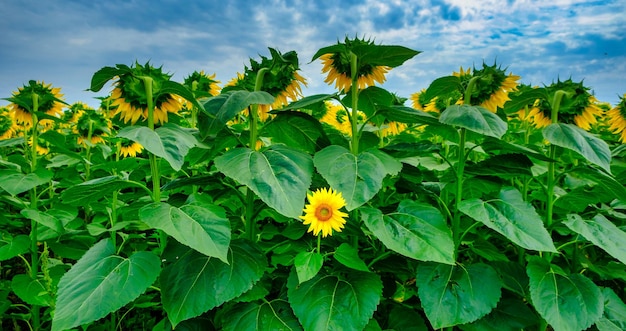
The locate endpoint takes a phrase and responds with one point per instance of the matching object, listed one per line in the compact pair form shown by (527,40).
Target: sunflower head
(435,104)
(130,97)
(92,126)
(107,107)
(492,86)
(72,113)
(129,148)
(337,117)
(48,101)
(617,119)
(8,126)
(202,85)
(577,107)
(322,214)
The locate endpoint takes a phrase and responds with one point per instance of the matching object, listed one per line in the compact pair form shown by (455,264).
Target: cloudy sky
(64,42)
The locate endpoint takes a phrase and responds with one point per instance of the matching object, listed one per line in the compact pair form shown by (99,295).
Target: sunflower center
(323,212)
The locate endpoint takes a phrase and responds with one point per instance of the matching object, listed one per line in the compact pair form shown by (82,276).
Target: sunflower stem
(319,244)
(354,90)
(34,249)
(556,104)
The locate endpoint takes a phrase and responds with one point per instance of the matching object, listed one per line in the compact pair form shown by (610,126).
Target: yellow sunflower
(202,85)
(43,148)
(282,80)
(129,95)
(129,148)
(492,90)
(337,68)
(322,214)
(92,126)
(48,101)
(578,107)
(72,113)
(8,126)
(337,117)
(617,119)
(392,129)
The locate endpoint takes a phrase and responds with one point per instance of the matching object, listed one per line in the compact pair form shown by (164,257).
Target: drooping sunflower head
(337,117)
(72,113)
(578,106)
(202,85)
(617,119)
(492,87)
(92,126)
(48,101)
(130,97)
(8,125)
(106,106)
(129,148)
(337,66)
(323,214)
(281,79)
(436,104)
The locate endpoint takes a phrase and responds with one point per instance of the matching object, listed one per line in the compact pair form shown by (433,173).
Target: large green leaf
(349,256)
(415,230)
(601,232)
(31,291)
(569,136)
(13,246)
(505,166)
(202,227)
(296,129)
(474,118)
(509,315)
(105,74)
(46,219)
(519,101)
(170,141)
(102,282)
(597,187)
(329,302)
(357,177)
(280,175)
(512,217)
(226,106)
(308,101)
(370,98)
(408,115)
(16,182)
(92,190)
(196,283)
(268,315)
(383,55)
(453,295)
(443,86)
(614,317)
(566,302)
(307,265)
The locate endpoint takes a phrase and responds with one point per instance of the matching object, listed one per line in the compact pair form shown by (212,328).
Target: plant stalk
(556,104)
(34,249)
(354,90)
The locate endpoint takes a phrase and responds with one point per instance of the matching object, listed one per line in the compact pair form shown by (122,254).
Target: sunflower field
(477,203)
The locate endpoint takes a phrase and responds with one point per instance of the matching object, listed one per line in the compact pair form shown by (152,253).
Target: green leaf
(509,315)
(12,247)
(17,182)
(102,282)
(44,219)
(179,89)
(383,55)
(566,302)
(443,86)
(512,217)
(308,264)
(32,291)
(92,190)
(370,98)
(599,187)
(224,107)
(296,129)
(503,165)
(492,144)
(105,74)
(307,101)
(526,98)
(280,176)
(329,302)
(357,177)
(453,295)
(170,141)
(268,315)
(196,283)
(349,256)
(601,232)
(415,230)
(569,136)
(399,321)
(474,118)
(614,317)
(408,115)
(204,228)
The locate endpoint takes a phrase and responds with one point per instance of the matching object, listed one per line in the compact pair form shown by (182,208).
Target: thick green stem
(556,104)
(456,221)
(34,249)
(354,90)
(319,244)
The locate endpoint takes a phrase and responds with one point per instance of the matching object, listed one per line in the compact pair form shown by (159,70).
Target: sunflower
(617,119)
(323,214)
(337,117)
(92,124)
(129,95)
(392,128)
(72,113)
(129,148)
(436,104)
(43,147)
(202,85)
(107,107)
(282,80)
(492,88)
(8,126)
(49,102)
(578,107)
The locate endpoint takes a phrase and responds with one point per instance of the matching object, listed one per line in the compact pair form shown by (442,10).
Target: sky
(64,42)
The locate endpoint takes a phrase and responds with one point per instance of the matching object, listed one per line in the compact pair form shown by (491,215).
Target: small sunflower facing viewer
(323,214)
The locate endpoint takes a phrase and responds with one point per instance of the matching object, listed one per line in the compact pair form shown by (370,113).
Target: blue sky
(65,42)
